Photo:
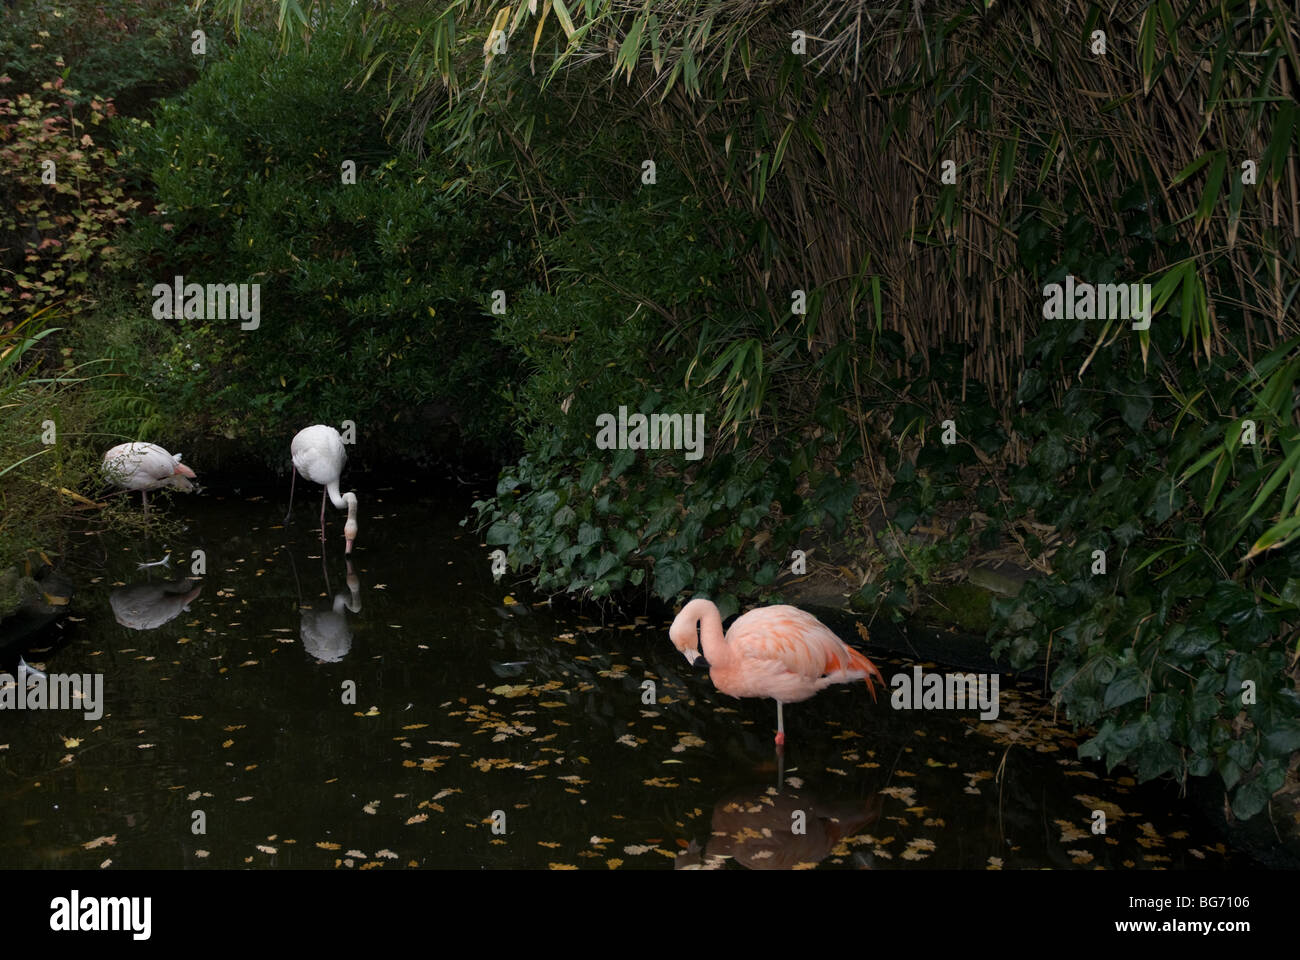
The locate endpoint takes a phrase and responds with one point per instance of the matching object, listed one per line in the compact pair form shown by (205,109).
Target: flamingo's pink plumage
(779,651)
(145,467)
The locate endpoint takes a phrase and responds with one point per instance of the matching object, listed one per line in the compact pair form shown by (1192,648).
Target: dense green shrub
(372,294)
(61,201)
(592,521)
(1168,621)
(128,51)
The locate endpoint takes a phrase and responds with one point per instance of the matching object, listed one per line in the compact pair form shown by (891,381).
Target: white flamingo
(145,467)
(318,455)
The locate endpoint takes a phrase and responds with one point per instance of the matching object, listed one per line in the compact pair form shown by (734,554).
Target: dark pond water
(489,730)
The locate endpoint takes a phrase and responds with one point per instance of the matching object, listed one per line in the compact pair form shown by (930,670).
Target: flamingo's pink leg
(293,477)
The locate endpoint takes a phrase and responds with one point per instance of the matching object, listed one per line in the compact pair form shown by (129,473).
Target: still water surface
(490,730)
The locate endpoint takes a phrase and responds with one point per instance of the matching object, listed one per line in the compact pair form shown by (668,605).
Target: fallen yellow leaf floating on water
(511,690)
(328,845)
(508,600)
(1070,832)
(1112,811)
(71,742)
(561,866)
(99,842)
(906,794)
(548,843)
(918,849)
(613,863)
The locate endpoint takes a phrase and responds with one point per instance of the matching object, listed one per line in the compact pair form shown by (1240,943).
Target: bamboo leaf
(781,144)
(1278,535)
(1279,474)
(1147,49)
(1279,144)
(562,14)
(1192,167)
(1171,27)
(1213,184)
(1217,480)
(1234,207)
(630,50)
(537,34)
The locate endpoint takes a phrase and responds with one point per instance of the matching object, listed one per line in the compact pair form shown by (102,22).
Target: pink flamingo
(779,652)
(318,455)
(145,467)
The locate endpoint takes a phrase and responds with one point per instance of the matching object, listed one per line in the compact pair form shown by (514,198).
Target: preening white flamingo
(145,467)
(779,651)
(318,455)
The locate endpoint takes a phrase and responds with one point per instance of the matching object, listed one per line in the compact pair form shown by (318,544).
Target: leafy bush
(591,521)
(55,235)
(372,294)
(1168,618)
(128,51)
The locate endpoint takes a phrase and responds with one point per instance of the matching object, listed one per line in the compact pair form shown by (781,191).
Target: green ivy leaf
(1129,684)
(672,576)
(591,475)
(1249,799)
(1283,739)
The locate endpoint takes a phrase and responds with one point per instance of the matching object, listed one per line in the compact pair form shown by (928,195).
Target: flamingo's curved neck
(716,649)
(336,498)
